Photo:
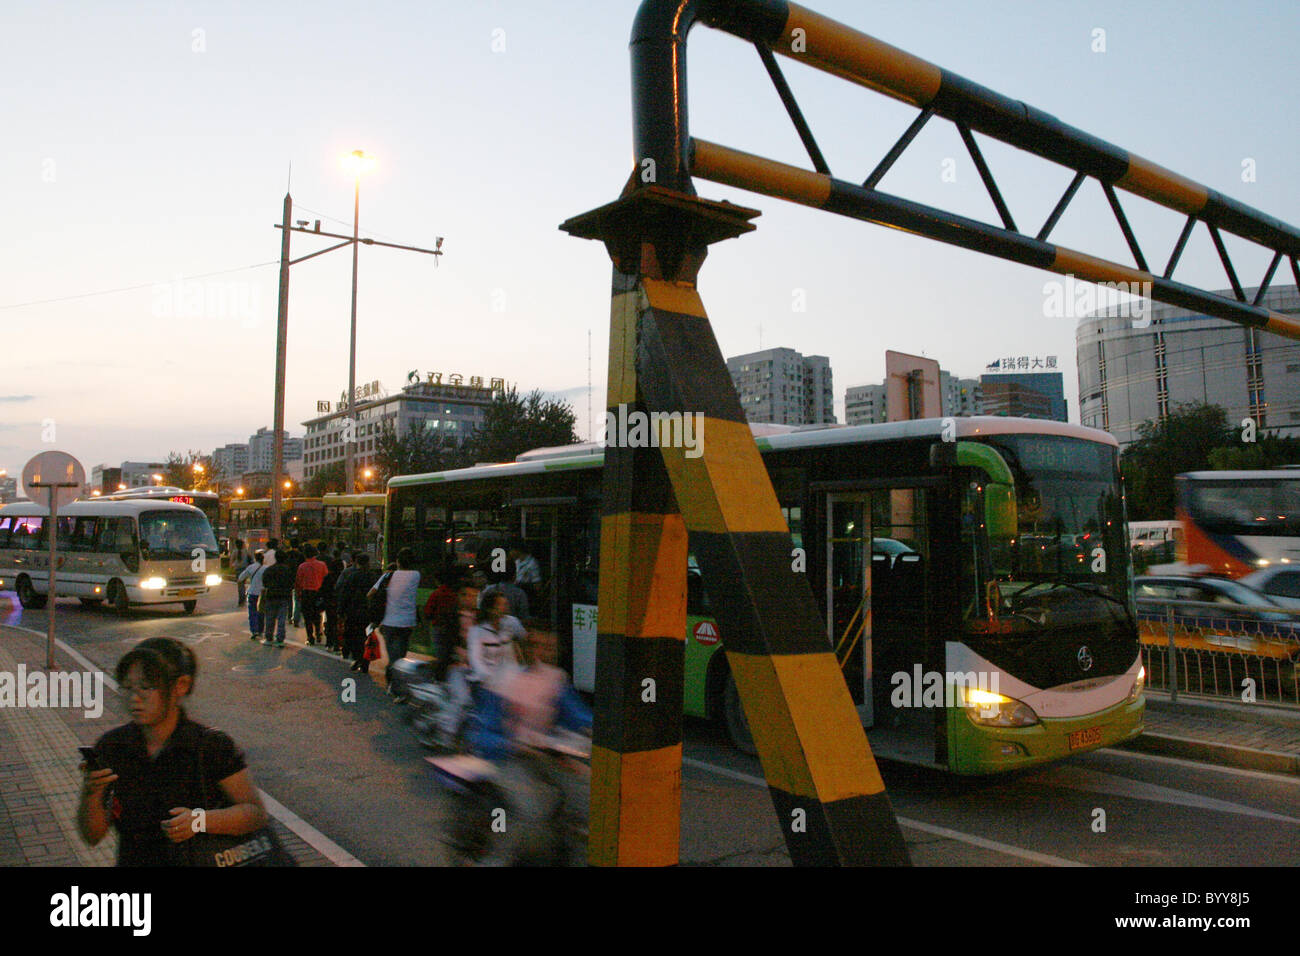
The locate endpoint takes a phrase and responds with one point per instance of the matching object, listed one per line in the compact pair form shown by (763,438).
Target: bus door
(848,592)
(877,605)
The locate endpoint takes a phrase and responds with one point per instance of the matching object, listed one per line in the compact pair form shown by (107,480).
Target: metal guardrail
(1221,650)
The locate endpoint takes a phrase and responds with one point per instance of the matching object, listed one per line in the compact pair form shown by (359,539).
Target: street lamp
(157,478)
(356,163)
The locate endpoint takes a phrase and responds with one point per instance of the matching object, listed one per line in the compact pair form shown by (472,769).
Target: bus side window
(4,531)
(27,533)
(84,533)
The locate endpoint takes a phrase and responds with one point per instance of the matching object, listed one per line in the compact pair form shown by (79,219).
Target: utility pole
(281,344)
(282,334)
(350,432)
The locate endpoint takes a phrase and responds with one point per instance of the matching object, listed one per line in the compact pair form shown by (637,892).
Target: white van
(123,552)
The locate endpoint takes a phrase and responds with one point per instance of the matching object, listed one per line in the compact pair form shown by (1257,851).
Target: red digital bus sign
(183,499)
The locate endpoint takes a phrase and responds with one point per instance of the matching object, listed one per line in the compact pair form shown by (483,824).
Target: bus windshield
(175,534)
(1066,562)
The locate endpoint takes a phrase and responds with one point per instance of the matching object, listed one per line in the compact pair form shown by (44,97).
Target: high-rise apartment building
(868,404)
(784,387)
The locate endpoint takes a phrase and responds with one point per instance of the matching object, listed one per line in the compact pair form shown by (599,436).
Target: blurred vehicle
(1220,611)
(1236,522)
(1281,583)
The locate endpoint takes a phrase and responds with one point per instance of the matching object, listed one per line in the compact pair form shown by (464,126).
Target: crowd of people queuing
(504,695)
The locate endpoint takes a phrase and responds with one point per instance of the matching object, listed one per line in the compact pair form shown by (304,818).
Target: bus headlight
(1139,684)
(995,710)
(212,580)
(153,584)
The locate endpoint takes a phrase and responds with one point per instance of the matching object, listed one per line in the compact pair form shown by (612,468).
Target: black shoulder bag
(378,602)
(259,848)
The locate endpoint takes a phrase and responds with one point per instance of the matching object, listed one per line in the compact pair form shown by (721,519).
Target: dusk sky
(148,147)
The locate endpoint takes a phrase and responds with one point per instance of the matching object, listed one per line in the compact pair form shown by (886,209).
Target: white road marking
(1005,848)
(309,834)
(1097,781)
(1200,765)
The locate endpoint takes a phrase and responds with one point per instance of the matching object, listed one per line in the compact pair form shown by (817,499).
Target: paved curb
(1219,709)
(1227,755)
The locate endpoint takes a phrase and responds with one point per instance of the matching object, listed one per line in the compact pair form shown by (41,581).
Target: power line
(133,288)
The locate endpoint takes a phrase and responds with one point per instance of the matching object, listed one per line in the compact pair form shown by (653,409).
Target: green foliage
(512,425)
(419,451)
(329,479)
(1183,441)
(1269,451)
(181,473)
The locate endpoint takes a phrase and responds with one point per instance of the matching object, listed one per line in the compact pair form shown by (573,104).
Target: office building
(261,450)
(1022,394)
(1138,369)
(452,410)
(868,404)
(231,461)
(784,387)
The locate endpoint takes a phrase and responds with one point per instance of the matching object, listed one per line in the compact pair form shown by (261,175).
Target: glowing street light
(356,163)
(157,478)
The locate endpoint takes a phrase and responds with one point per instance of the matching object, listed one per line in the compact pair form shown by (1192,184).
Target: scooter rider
(516,729)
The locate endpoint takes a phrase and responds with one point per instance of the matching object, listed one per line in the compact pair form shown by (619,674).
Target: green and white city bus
(974,575)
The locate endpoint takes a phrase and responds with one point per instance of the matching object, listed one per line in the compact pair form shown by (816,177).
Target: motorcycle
(484,804)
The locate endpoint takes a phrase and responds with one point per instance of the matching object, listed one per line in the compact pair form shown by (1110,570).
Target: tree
(1269,451)
(512,425)
(419,451)
(1182,441)
(181,473)
(330,478)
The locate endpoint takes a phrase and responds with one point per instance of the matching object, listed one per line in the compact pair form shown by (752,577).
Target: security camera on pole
(58,478)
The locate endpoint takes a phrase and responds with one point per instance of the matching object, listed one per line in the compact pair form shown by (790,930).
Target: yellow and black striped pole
(829,798)
(636,761)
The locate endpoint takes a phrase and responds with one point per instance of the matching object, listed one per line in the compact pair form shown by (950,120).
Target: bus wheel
(734,716)
(189,606)
(27,595)
(118,598)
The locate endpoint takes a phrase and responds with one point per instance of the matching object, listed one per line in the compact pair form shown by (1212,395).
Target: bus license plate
(1085,738)
(190,592)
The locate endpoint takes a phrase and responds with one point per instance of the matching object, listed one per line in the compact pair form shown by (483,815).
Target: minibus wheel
(27,595)
(118,598)
(189,606)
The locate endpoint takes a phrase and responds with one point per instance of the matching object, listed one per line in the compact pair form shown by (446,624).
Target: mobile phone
(88,755)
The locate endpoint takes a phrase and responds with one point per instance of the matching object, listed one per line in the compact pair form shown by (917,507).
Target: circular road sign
(57,468)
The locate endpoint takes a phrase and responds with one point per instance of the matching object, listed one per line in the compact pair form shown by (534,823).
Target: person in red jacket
(307,582)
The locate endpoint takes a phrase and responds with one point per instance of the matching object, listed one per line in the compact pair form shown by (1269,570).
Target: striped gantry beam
(790,30)
(830,800)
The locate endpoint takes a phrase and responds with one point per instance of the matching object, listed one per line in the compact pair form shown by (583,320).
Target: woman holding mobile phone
(158,764)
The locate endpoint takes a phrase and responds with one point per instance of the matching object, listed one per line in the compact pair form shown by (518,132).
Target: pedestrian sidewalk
(1249,736)
(40,783)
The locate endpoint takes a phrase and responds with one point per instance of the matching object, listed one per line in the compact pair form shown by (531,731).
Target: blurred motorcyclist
(546,791)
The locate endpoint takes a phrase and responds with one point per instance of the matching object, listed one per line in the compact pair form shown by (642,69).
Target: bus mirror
(1000,511)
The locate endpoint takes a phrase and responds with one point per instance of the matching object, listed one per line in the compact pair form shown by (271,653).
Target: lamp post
(358,162)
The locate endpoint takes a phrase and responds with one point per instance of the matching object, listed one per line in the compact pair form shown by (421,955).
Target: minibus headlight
(212,580)
(153,584)
(1139,684)
(988,709)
